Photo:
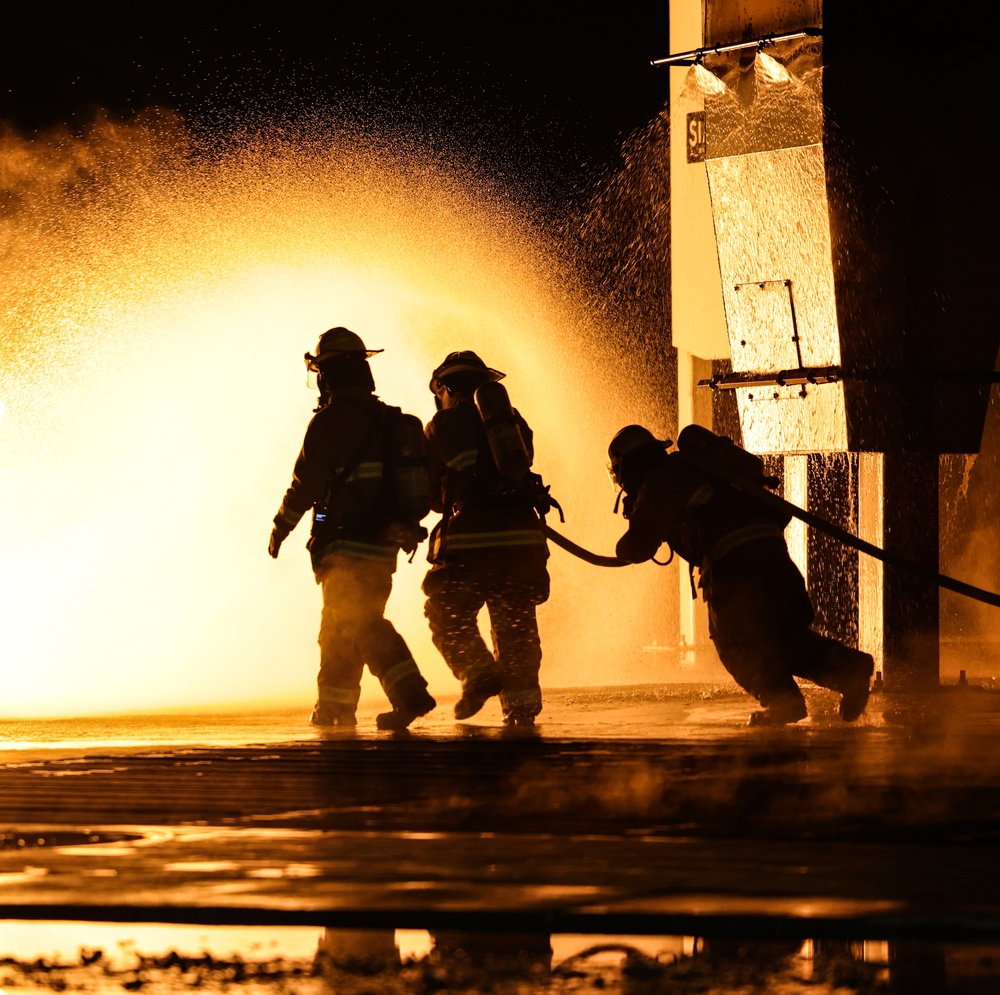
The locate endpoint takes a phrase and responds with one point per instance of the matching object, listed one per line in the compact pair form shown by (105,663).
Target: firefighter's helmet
(336,343)
(464,361)
(628,441)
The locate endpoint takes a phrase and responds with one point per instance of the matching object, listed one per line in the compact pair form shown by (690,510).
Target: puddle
(106,957)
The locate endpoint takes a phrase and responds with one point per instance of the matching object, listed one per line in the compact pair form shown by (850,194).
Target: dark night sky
(525,90)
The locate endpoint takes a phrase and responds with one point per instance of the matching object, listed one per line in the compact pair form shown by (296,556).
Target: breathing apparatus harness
(404,534)
(722,460)
(392,515)
(719,472)
(502,467)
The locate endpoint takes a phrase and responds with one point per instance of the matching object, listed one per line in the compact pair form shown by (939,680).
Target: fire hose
(848,538)
(584,554)
(842,535)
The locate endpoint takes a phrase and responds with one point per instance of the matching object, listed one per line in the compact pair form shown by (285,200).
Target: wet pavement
(647,810)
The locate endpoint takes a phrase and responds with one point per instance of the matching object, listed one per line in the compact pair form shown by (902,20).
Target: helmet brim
(312,362)
(439,375)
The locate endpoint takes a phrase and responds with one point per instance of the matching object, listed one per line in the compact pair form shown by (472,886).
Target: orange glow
(157,302)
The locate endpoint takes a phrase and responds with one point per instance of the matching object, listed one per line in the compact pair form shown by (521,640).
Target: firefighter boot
(519,719)
(854,684)
(331,713)
(475,693)
(410,700)
(521,705)
(784,709)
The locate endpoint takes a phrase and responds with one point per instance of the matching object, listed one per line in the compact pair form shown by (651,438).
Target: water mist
(159,295)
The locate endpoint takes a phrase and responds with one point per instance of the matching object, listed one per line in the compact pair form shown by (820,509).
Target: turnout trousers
(511,582)
(759,617)
(353,631)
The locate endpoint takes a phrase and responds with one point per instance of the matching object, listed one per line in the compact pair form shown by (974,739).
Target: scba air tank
(721,454)
(502,430)
(410,478)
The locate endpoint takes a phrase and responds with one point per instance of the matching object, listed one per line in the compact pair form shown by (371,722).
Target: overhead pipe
(802,375)
(783,378)
(697,55)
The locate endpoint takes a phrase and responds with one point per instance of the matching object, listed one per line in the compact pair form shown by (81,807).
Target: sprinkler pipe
(813,375)
(697,55)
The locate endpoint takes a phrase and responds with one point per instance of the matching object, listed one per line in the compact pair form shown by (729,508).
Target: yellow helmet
(338,342)
(629,440)
(464,361)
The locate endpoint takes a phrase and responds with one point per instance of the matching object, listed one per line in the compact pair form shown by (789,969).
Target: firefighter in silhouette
(489,547)
(758,609)
(362,472)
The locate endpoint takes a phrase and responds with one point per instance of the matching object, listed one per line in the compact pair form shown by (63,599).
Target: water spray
(135,245)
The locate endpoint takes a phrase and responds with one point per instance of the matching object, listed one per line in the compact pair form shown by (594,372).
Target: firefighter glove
(278,535)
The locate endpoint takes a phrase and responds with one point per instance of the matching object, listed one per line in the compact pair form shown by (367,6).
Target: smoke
(160,291)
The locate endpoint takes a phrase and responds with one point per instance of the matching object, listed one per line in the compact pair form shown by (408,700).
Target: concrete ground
(644,810)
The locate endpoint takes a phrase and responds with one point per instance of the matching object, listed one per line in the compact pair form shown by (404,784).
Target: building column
(694,407)
(910,603)
(871,621)
(796,491)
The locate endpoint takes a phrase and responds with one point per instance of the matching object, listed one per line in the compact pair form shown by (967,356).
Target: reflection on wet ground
(352,962)
(640,840)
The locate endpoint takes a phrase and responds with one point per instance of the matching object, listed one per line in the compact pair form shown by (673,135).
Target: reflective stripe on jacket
(699,518)
(351,518)
(479,514)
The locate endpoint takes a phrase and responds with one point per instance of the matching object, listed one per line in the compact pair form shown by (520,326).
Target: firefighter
(488,547)
(758,608)
(346,475)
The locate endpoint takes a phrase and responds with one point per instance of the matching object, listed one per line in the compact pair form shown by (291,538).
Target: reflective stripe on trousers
(510,582)
(353,630)
(339,696)
(399,672)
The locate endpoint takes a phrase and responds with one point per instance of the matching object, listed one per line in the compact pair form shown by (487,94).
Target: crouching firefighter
(363,472)
(759,611)
(489,548)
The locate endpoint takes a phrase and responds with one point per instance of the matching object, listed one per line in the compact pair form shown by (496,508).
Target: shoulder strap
(374,427)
